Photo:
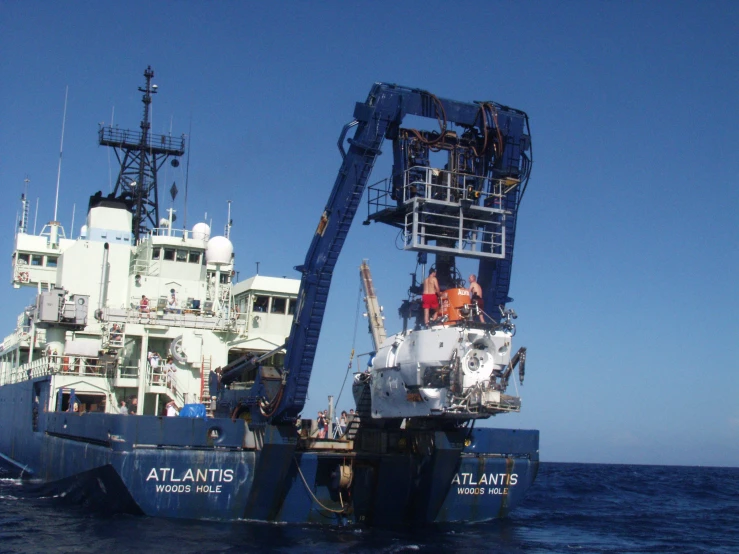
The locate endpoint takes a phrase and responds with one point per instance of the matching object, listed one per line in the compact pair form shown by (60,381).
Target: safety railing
(470,233)
(83,366)
(188,318)
(174,233)
(122,138)
(438,185)
(444,211)
(144,266)
(127,372)
(160,376)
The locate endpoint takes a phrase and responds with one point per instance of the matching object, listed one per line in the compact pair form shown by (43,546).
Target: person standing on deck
(321,424)
(170,371)
(476,296)
(431,292)
(171,409)
(343,423)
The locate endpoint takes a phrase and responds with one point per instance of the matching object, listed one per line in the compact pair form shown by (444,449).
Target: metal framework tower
(141,155)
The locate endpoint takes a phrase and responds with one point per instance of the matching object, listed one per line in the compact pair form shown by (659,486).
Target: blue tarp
(193,410)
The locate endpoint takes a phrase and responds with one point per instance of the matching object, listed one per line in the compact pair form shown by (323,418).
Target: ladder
(364,410)
(205,371)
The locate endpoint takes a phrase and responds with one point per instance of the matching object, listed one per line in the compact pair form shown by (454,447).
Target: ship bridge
(36,257)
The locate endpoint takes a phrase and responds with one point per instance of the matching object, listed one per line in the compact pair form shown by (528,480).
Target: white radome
(201,231)
(219,251)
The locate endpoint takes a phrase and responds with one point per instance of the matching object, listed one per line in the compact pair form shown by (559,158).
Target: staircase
(364,410)
(161,384)
(205,398)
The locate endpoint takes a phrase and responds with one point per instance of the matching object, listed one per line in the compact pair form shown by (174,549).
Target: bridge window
(194,257)
(291,306)
(37,260)
(278,305)
(156,253)
(182,255)
(169,254)
(24,259)
(51,261)
(261,303)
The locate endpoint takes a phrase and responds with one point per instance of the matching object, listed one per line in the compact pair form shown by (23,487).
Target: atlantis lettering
(203,480)
(471,484)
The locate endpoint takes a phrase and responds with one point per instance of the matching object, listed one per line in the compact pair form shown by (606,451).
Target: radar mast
(141,154)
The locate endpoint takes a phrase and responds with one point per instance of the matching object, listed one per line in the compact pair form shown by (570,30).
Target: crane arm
(499,142)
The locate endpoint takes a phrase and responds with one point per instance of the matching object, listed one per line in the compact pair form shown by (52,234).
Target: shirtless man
(476,296)
(431,292)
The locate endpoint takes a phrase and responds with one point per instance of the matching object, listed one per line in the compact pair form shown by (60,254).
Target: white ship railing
(173,233)
(453,212)
(83,366)
(159,378)
(190,319)
(127,372)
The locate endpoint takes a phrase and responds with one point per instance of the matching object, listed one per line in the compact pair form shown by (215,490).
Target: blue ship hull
(206,469)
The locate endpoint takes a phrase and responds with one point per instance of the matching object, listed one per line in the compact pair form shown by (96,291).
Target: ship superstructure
(112,308)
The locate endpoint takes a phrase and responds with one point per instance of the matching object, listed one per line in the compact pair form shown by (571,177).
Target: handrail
(441,185)
(159,378)
(87,366)
(190,319)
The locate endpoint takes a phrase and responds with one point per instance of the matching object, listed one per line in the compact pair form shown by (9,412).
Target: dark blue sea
(571,508)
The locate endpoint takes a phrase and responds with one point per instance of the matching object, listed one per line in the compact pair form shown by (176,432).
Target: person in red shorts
(476,296)
(431,292)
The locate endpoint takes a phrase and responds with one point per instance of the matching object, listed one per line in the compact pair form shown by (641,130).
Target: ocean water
(571,508)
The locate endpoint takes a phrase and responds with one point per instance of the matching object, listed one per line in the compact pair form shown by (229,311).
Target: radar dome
(164,222)
(201,231)
(219,251)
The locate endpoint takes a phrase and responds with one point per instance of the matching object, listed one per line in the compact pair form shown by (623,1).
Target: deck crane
(375,319)
(465,207)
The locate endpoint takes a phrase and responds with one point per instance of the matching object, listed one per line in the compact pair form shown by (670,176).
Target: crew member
(431,292)
(171,409)
(476,296)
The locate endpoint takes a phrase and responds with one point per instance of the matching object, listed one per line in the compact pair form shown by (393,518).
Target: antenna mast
(229,222)
(23,223)
(61,150)
(141,154)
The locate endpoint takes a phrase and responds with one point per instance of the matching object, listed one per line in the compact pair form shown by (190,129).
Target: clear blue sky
(626,263)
